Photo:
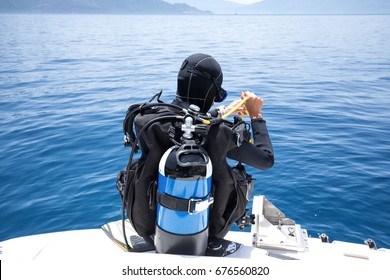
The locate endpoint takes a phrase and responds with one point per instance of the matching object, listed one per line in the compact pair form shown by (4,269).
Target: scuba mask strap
(221,93)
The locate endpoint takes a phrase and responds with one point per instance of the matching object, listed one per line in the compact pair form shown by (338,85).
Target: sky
(245,1)
(236,1)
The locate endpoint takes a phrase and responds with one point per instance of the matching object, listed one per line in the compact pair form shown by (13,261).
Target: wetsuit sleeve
(259,154)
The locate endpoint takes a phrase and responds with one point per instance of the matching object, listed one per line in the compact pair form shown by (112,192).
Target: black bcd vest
(229,185)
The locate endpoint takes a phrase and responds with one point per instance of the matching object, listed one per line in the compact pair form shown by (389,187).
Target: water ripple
(65,90)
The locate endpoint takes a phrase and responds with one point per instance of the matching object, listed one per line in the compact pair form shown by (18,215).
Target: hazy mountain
(216,6)
(97,6)
(198,6)
(320,7)
(293,6)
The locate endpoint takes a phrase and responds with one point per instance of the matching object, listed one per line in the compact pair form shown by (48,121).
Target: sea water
(66,82)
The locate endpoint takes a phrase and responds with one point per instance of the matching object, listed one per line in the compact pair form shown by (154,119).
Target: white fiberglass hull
(92,254)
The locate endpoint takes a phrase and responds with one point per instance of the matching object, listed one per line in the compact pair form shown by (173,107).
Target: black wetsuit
(259,154)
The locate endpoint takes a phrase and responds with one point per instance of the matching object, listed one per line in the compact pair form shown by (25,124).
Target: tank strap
(192,205)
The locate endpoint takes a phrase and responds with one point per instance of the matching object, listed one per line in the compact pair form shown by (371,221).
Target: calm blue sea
(66,82)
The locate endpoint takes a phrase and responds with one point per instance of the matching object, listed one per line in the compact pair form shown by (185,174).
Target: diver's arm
(259,154)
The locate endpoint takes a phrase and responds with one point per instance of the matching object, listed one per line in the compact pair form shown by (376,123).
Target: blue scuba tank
(183,200)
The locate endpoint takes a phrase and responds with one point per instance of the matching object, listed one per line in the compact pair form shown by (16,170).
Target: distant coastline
(198,7)
(135,7)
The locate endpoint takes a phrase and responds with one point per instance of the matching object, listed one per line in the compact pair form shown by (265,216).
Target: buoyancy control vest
(154,127)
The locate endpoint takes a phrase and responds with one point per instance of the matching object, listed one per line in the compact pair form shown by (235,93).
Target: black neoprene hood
(199,81)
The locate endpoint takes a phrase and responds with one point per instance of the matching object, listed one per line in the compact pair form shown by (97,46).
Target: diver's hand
(240,110)
(254,104)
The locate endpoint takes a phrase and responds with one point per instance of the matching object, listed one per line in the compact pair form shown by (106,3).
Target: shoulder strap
(128,124)
(130,138)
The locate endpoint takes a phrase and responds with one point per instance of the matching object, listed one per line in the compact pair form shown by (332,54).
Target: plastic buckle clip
(196,205)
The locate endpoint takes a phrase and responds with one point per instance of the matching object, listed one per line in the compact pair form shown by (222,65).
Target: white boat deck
(92,254)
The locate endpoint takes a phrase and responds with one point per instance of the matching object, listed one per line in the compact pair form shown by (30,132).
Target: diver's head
(199,81)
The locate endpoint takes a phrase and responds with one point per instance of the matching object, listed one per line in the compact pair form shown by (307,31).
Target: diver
(199,83)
